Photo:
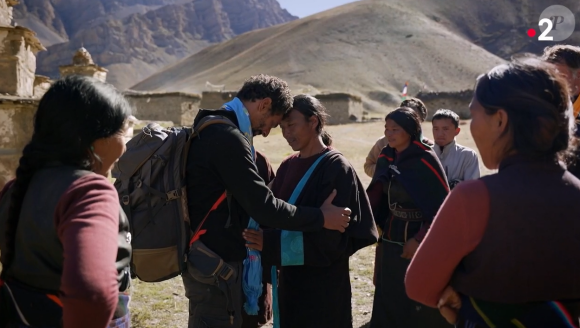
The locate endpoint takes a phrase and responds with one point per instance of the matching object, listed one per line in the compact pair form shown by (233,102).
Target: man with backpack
(220,162)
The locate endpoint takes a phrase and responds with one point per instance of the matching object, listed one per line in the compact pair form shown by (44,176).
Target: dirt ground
(164,304)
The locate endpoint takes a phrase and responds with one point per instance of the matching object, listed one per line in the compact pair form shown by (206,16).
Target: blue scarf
(252,278)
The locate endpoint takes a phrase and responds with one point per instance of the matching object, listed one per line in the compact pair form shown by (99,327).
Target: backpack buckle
(173,195)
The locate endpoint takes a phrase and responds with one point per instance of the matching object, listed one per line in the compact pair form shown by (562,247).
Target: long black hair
(537,102)
(72,114)
(309,106)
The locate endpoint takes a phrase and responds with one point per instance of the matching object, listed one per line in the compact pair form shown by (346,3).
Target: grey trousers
(209,304)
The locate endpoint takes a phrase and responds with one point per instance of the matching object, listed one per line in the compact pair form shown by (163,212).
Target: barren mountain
(135,38)
(370,48)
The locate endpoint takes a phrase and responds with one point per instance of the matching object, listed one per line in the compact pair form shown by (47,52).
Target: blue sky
(303,8)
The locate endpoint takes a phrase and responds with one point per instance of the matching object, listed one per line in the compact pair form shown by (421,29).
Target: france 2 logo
(556,23)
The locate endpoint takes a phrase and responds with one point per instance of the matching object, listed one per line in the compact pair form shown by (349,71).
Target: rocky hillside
(371,48)
(135,38)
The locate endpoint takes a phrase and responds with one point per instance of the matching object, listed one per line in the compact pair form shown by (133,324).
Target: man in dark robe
(314,291)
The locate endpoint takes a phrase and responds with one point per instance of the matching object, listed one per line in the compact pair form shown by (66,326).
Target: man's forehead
(443,121)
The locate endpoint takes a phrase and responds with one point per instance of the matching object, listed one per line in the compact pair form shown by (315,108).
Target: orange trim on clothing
(55,299)
(199,231)
(577,107)
(385,156)
(420,145)
(436,174)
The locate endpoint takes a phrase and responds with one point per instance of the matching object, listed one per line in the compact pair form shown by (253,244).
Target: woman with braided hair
(503,250)
(64,239)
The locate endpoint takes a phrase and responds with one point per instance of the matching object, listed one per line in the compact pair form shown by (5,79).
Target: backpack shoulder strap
(200,126)
(209,120)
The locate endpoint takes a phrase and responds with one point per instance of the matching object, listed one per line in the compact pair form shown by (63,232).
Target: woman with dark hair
(407,189)
(314,285)
(503,250)
(65,241)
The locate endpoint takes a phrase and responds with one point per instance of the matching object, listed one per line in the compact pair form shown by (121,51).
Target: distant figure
(503,250)
(459,162)
(64,238)
(415,104)
(406,192)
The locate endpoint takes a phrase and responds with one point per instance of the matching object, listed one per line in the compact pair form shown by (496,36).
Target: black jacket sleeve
(323,247)
(232,160)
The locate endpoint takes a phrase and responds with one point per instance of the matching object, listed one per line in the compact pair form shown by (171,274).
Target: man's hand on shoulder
(335,218)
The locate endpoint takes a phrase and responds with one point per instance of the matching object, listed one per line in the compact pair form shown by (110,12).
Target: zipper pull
(231,318)
(394,168)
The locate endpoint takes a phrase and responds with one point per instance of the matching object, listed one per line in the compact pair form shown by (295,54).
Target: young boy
(460,162)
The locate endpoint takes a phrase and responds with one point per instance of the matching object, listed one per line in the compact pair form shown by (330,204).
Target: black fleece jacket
(221,159)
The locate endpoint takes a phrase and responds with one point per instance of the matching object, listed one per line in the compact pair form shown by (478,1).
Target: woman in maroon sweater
(64,239)
(503,250)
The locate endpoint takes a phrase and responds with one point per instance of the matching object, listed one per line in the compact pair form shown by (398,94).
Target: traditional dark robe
(318,293)
(415,185)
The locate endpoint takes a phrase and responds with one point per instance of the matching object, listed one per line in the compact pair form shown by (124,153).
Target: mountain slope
(135,38)
(370,48)
(367,48)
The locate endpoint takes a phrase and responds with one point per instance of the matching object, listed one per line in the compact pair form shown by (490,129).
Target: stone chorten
(20,89)
(83,64)
(18,48)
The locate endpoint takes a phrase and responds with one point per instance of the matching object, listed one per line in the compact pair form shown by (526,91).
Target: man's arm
(231,157)
(371,160)
(321,248)
(471,171)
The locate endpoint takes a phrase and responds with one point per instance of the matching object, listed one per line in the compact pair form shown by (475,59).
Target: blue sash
(292,243)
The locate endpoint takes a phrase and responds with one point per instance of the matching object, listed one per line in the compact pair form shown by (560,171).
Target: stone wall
(16,120)
(455,101)
(343,108)
(178,107)
(215,99)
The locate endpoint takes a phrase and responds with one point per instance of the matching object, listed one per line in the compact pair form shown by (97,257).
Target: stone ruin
(20,88)
(178,107)
(342,108)
(456,101)
(82,64)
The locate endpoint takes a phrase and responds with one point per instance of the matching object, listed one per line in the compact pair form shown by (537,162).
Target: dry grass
(164,304)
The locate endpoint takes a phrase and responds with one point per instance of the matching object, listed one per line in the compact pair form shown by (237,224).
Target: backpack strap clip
(173,195)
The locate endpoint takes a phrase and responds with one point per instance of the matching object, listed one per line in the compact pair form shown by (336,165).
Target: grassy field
(164,304)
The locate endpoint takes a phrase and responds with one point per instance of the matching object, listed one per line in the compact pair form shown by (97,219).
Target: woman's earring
(92,148)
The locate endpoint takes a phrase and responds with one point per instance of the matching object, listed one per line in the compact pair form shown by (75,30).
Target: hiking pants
(208,304)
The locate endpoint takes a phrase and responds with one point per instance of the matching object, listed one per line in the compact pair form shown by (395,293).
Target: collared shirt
(460,163)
